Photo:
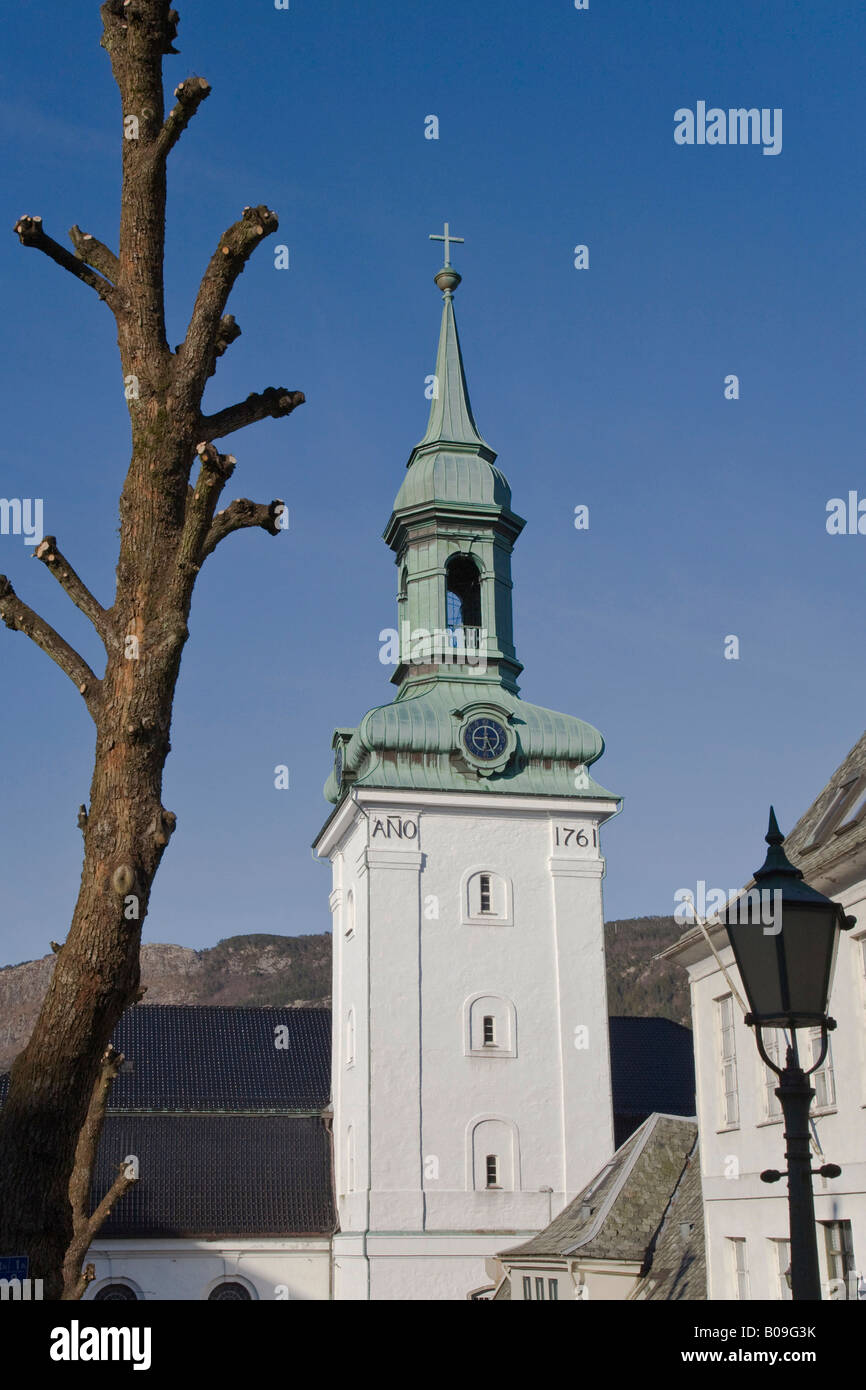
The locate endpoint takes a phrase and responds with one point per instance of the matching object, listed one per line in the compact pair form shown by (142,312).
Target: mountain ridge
(261,970)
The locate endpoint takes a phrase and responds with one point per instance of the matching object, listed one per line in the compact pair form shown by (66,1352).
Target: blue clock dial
(485,738)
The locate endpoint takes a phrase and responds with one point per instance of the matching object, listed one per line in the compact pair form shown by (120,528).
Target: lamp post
(784,936)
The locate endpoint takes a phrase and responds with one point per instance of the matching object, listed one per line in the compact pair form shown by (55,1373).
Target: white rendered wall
(409,972)
(740,1205)
(271,1269)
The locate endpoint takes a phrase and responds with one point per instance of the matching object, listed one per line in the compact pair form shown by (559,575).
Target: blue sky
(603,387)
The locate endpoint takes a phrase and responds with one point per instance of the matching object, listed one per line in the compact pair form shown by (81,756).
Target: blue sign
(14,1266)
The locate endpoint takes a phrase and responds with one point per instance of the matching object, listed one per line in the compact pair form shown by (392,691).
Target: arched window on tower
(403,592)
(493,1156)
(462,593)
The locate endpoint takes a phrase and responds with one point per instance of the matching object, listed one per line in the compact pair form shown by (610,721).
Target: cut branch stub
(29,232)
(226,264)
(95,253)
(48,552)
(19,618)
(123,880)
(162,827)
(275,402)
(238,516)
(212,460)
(189,96)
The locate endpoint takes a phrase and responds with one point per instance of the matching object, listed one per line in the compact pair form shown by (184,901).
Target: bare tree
(168,528)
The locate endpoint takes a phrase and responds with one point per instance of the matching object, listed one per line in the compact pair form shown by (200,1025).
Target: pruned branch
(17,616)
(48,553)
(240,514)
(94,253)
(85,1225)
(30,233)
(227,332)
(196,353)
(190,94)
(275,402)
(214,472)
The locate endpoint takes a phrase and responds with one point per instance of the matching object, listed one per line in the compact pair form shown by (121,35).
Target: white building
(471,1079)
(739,1114)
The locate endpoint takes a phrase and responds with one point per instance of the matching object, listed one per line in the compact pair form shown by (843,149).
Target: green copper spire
(451,420)
(452,530)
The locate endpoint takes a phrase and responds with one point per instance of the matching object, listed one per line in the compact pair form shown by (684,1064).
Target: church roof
(446,477)
(451,419)
(620,1212)
(652,1067)
(678,1260)
(452,466)
(209,1058)
(227,1127)
(218,1175)
(410,743)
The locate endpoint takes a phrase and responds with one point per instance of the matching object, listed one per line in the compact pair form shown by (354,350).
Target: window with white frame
(489,1026)
(775,1046)
(494,1156)
(728,1054)
(839,1244)
(486,898)
(822,1079)
(553,1289)
(780,1251)
(350,1038)
(739,1266)
(527,1289)
(350,913)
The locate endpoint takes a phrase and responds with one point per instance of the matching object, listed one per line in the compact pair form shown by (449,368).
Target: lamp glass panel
(786,972)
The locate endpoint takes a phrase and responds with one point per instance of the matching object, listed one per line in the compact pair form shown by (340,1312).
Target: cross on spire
(447,238)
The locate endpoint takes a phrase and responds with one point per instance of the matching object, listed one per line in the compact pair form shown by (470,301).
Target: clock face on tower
(485,738)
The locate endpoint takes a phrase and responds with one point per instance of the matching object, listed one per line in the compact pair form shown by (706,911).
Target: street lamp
(784,936)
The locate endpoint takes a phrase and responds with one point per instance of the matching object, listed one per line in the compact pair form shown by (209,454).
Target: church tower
(471,1079)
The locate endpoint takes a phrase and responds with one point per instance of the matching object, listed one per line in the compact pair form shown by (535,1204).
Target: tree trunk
(168,528)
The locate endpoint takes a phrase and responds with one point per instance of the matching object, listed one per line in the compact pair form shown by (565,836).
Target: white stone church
(468,1100)
(471,1080)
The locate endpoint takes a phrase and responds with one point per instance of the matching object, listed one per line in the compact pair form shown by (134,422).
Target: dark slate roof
(678,1267)
(206,1058)
(829,840)
(218,1175)
(619,1212)
(652,1067)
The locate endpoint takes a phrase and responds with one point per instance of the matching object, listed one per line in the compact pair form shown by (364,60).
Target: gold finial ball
(447,279)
